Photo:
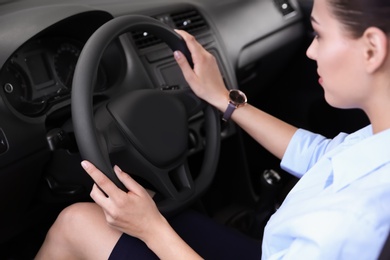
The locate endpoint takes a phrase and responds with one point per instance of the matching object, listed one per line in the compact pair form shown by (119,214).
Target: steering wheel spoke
(109,135)
(175,185)
(191,102)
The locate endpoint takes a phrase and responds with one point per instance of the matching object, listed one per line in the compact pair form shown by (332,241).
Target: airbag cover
(155,123)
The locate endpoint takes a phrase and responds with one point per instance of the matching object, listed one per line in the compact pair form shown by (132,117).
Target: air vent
(284,6)
(190,21)
(144,39)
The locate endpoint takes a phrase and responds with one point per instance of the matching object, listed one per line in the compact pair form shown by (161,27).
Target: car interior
(96,79)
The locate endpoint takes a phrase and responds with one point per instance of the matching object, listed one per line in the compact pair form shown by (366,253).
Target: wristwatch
(237,98)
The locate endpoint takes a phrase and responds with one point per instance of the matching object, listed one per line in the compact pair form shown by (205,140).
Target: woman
(338,210)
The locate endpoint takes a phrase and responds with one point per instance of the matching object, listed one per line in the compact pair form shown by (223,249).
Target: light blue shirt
(340,207)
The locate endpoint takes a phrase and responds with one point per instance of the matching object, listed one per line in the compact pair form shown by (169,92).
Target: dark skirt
(209,239)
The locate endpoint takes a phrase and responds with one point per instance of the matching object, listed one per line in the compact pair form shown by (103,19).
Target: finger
(185,67)
(100,179)
(98,196)
(193,45)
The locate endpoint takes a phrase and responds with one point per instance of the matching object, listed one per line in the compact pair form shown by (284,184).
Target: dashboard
(37,75)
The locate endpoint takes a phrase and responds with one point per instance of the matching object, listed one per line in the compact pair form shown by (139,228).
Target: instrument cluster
(40,75)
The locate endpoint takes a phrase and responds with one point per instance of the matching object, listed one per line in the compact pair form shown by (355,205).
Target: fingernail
(85,165)
(117,169)
(177,54)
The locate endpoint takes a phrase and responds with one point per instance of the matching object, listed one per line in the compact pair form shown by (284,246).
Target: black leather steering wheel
(146,131)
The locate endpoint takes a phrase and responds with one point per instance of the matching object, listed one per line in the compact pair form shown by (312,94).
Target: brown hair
(358,15)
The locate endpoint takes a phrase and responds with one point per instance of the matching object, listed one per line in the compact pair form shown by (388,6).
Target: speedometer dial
(17,90)
(65,61)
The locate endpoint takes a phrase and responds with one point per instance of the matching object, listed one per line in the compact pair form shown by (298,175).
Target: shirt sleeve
(305,149)
(333,238)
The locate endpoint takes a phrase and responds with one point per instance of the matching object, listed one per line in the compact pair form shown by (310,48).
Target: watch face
(237,97)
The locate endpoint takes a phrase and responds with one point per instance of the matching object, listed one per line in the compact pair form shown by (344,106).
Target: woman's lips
(320,80)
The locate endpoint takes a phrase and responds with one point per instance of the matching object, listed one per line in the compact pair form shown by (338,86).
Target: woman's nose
(310,52)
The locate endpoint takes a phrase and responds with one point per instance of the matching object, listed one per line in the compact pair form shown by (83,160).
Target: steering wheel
(146,130)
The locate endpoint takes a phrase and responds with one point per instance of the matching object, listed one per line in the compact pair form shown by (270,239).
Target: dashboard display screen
(38,69)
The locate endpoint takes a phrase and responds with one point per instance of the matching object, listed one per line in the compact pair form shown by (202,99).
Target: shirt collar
(360,158)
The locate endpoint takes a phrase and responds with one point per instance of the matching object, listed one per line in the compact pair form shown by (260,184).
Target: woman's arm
(272,133)
(206,81)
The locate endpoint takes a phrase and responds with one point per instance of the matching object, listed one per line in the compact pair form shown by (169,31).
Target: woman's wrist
(221,101)
(154,228)
(167,244)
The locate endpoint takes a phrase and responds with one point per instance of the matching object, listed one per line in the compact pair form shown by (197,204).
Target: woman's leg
(80,231)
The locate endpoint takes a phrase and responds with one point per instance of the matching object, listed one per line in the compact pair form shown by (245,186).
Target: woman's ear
(375,48)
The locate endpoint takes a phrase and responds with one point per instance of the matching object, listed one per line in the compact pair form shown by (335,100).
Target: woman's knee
(66,234)
(87,232)
(72,220)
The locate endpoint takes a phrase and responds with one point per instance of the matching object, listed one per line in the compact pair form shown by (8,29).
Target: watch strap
(228,112)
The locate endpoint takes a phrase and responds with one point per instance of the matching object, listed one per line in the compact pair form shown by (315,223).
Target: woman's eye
(314,35)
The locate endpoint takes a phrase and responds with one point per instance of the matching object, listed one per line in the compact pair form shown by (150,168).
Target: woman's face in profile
(339,59)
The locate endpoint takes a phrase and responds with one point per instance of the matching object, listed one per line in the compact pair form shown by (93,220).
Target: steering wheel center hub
(155,123)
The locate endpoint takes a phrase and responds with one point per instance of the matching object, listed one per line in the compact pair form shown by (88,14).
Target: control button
(3,142)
